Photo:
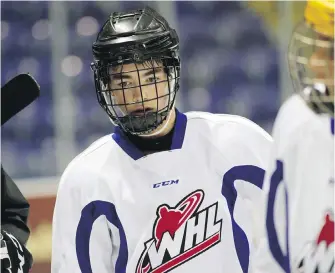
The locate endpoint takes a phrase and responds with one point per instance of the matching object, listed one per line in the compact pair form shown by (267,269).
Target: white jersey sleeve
(272,250)
(73,218)
(259,143)
(248,179)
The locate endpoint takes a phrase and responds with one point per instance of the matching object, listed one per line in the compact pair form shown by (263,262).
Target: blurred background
(233,61)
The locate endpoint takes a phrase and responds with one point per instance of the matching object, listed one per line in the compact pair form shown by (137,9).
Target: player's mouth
(141,111)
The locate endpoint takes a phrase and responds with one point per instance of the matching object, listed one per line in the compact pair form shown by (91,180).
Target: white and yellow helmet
(311,56)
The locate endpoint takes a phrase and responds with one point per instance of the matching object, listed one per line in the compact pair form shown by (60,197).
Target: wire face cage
(311,63)
(137,94)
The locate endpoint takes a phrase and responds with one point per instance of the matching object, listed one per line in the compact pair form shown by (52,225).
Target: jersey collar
(177,139)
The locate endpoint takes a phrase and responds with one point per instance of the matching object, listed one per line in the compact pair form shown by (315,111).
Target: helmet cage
(316,86)
(104,71)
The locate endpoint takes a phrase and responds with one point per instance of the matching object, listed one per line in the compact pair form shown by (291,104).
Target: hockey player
(300,186)
(16,94)
(167,191)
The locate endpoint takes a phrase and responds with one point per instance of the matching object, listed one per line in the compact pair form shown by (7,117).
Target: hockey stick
(17,94)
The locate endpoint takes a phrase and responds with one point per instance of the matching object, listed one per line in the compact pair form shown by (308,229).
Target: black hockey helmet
(143,40)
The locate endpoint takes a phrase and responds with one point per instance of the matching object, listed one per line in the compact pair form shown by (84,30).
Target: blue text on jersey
(165,183)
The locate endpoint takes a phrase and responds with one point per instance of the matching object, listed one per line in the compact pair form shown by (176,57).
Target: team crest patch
(179,234)
(318,256)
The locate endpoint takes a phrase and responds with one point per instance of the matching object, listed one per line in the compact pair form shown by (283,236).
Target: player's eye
(124,84)
(152,79)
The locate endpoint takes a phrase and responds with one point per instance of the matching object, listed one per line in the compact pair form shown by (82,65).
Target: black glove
(15,257)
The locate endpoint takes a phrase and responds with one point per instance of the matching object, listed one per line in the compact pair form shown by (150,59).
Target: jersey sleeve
(251,147)
(273,252)
(14,209)
(254,142)
(76,247)
(272,249)
(259,146)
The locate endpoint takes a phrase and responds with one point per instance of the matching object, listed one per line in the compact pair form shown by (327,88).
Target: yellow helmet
(311,56)
(320,15)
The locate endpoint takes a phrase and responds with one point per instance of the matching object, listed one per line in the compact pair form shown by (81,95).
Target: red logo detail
(327,231)
(171,219)
(317,256)
(169,246)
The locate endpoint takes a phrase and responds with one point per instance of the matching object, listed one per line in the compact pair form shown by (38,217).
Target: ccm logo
(165,183)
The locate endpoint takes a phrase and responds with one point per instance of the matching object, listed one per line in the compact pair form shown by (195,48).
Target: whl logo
(318,256)
(180,233)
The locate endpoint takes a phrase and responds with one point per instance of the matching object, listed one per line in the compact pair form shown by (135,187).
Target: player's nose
(139,93)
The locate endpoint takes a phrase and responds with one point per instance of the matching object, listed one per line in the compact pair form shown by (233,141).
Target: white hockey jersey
(190,209)
(300,193)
